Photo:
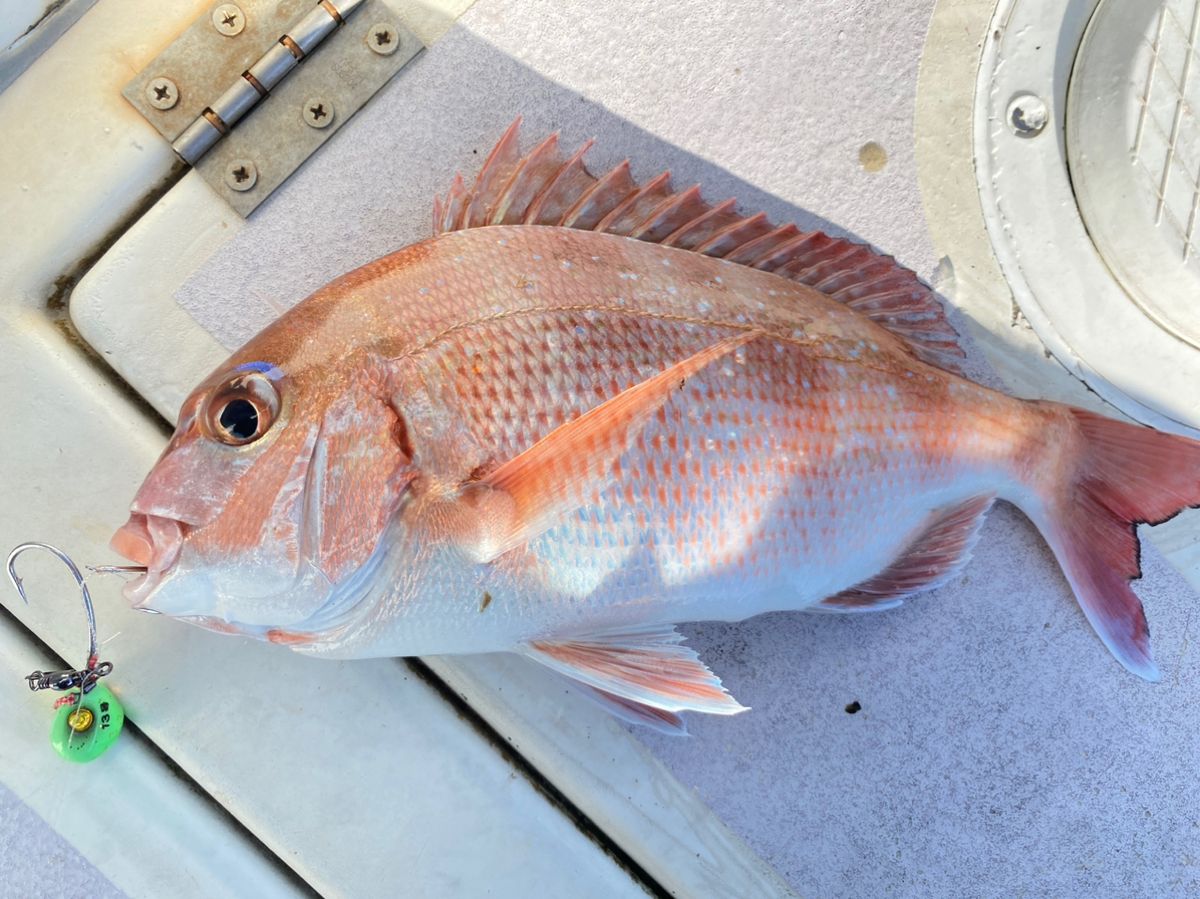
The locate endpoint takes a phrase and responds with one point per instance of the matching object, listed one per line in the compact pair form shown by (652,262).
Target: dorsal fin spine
(618,215)
(523,180)
(768,247)
(501,162)
(540,211)
(729,238)
(860,285)
(818,270)
(678,236)
(613,182)
(448,213)
(753,249)
(661,222)
(805,264)
(774,258)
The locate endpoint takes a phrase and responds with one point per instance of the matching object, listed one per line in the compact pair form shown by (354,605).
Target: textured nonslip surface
(36,861)
(998,749)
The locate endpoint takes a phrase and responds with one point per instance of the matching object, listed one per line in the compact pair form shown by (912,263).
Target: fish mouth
(151,542)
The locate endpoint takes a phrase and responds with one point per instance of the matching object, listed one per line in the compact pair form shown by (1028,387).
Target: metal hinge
(252,89)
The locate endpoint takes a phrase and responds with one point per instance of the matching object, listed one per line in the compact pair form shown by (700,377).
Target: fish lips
(153,541)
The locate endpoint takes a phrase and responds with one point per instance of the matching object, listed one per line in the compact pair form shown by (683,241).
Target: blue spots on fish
(272,372)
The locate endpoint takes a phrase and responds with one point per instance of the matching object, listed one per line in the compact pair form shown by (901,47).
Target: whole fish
(589,409)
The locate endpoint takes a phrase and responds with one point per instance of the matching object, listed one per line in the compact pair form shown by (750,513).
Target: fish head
(268,503)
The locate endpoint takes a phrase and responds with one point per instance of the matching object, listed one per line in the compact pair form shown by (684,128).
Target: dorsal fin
(940,552)
(543,188)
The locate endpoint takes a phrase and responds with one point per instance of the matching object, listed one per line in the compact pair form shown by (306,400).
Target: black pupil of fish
(239,418)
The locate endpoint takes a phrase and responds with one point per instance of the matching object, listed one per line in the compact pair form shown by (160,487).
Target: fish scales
(788,449)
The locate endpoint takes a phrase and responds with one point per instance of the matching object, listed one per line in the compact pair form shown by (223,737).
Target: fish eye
(241,410)
(239,419)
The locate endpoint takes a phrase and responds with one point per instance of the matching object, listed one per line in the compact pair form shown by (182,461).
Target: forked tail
(1125,475)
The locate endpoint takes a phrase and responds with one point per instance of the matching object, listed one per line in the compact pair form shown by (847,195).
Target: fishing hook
(82,679)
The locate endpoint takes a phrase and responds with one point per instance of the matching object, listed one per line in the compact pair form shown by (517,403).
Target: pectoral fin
(557,474)
(644,666)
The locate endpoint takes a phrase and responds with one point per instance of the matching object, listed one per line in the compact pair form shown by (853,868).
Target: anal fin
(848,601)
(939,552)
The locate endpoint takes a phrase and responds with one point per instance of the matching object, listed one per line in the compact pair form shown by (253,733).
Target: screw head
(317,112)
(162,93)
(229,19)
(1027,115)
(383,39)
(240,175)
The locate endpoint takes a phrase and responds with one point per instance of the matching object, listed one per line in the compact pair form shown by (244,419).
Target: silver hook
(84,678)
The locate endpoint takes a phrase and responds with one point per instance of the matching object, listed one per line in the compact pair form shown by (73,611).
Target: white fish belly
(797,554)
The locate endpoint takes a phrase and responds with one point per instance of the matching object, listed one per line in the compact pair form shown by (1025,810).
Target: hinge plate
(275,137)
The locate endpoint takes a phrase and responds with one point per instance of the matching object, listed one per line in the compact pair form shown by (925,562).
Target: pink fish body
(590,409)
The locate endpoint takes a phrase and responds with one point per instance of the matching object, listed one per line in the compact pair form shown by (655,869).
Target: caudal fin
(1127,475)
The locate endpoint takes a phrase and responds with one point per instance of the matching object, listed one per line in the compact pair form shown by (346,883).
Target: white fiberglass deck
(996,749)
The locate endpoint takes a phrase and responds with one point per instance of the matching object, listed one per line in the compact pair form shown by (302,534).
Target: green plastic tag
(80,733)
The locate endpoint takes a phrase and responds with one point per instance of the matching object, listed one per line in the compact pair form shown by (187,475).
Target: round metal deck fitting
(1087,157)
(1027,115)
(229,19)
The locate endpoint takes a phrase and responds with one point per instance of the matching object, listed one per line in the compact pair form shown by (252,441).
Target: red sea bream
(588,409)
